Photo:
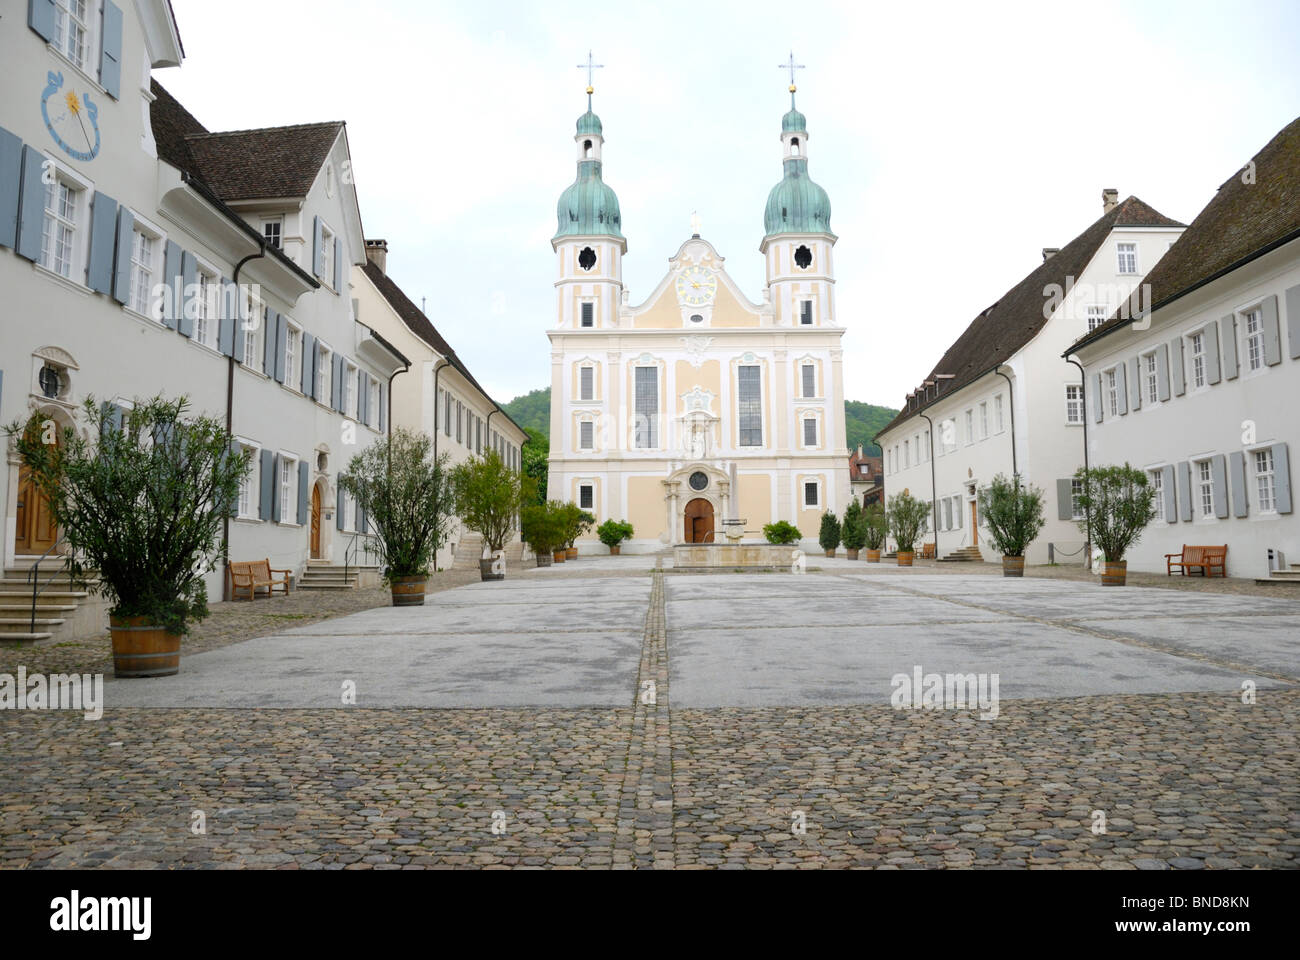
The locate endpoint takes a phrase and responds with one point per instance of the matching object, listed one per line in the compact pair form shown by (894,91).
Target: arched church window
(794,146)
(586,148)
(803,257)
(587,258)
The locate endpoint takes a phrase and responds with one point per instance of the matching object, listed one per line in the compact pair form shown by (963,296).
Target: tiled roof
(1255,209)
(865,469)
(998,332)
(266,163)
(422,327)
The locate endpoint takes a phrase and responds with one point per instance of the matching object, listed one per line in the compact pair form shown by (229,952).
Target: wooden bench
(1207,559)
(249,576)
(927,551)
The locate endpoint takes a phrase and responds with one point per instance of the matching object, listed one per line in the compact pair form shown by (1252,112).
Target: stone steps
(329,576)
(63,608)
(964,555)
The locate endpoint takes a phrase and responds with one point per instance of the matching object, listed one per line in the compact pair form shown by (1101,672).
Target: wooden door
(974,525)
(699,521)
(315,523)
(36,531)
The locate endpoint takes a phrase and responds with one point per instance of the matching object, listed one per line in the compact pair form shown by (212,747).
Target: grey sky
(955,141)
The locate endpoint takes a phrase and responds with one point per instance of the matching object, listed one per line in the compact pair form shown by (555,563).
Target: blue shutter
(189,301)
(122,259)
(1219,480)
(269,320)
(1176,365)
(1121,389)
(1272,334)
(1229,327)
(31,210)
(11,179)
(338,265)
(1185,490)
(1096,397)
(1293,320)
(110,63)
(40,17)
(1162,371)
(1212,352)
(337,367)
(383,411)
(228,318)
(1171,499)
(1237,476)
(274,487)
(1135,383)
(231,453)
(267,485)
(318,249)
(281,342)
(171,276)
(338,509)
(1281,478)
(303,470)
(1064,500)
(363,397)
(103,235)
(308,364)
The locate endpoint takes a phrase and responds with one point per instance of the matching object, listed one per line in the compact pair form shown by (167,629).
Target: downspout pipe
(934,493)
(437,372)
(230,412)
(1011,402)
(1083,397)
(395,374)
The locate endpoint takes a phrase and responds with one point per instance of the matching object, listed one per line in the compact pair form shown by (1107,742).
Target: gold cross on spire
(792,67)
(589,66)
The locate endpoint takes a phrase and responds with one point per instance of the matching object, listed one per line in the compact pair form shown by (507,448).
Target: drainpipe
(1083,398)
(934,493)
(1011,402)
(437,372)
(230,414)
(487,425)
(395,374)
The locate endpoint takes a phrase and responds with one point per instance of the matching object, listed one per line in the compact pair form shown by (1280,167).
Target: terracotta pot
(1013,566)
(1114,573)
(409,591)
(485,570)
(615,550)
(853,554)
(873,556)
(544,559)
(905,557)
(572,553)
(560,556)
(830,553)
(143,649)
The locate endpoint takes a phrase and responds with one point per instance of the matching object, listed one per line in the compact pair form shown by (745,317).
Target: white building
(697,405)
(1202,389)
(110,193)
(1002,399)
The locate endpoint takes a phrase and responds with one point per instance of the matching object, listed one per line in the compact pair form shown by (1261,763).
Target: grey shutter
(318,249)
(275,489)
(1096,397)
(11,179)
(31,209)
(269,341)
(1176,364)
(1212,352)
(1185,490)
(232,452)
(362,519)
(269,467)
(122,259)
(1064,500)
(243,313)
(110,63)
(1272,335)
(227,319)
(40,17)
(171,276)
(103,235)
(383,407)
(1170,498)
(308,364)
(338,509)
(1237,476)
(1121,389)
(363,397)
(1228,325)
(1218,476)
(1135,383)
(1162,371)
(1293,320)
(338,265)
(1281,478)
(281,343)
(189,303)
(337,366)
(303,470)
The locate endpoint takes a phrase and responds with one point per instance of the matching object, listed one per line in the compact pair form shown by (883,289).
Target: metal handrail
(353,551)
(33,577)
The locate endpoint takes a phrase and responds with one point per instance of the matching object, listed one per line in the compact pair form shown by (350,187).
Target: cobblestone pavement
(1180,781)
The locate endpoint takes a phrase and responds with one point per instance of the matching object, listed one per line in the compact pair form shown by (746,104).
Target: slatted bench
(1207,559)
(927,551)
(249,576)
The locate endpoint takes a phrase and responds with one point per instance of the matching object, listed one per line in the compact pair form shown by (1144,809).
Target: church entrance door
(699,521)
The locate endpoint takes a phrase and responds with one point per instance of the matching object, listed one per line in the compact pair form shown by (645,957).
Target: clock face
(696,286)
(72,119)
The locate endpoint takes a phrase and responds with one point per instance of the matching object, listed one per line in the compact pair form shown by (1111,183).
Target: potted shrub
(487,495)
(144,507)
(1118,502)
(782,533)
(829,535)
(907,522)
(1013,513)
(612,533)
(576,522)
(875,527)
(541,531)
(853,534)
(408,497)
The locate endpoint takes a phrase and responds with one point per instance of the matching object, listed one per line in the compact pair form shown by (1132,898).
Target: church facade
(697,406)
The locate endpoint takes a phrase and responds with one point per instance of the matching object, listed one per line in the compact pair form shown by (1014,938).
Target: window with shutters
(253,328)
(75,24)
(1112,392)
(984,419)
(292,355)
(810,431)
(1151,378)
(1073,403)
(1265,491)
(1096,316)
(1157,478)
(248,487)
(206,322)
(586,496)
(1128,257)
(372,406)
(587,383)
(588,313)
(64,215)
(351,396)
(806,312)
(1198,359)
(1076,506)
(1205,487)
(327,256)
(288,494)
(324,373)
(811,493)
(1253,326)
(273,230)
(809,372)
(970,427)
(586,435)
(997,412)
(146,248)
(646,431)
(749,396)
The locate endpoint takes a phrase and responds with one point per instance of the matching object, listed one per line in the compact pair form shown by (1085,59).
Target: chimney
(377,253)
(1049,252)
(859,451)
(1109,199)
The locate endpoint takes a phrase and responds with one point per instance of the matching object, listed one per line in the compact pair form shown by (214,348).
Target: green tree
(875,526)
(536,461)
(532,411)
(854,531)
(829,535)
(862,421)
(1119,503)
(487,495)
(1013,512)
(782,532)
(907,520)
(614,532)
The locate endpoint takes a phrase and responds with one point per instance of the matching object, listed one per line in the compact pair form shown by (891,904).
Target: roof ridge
(289,126)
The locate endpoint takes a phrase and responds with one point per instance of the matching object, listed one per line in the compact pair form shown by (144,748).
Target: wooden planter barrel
(543,559)
(830,554)
(485,570)
(905,557)
(409,591)
(143,649)
(614,550)
(873,556)
(571,553)
(560,556)
(1013,566)
(1114,573)
(853,554)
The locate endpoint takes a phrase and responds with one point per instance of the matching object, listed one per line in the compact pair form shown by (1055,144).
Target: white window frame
(1265,480)
(324,372)
(984,419)
(327,256)
(278,223)
(207,322)
(1252,351)
(286,488)
(372,405)
(144,228)
(292,355)
(1096,316)
(1112,391)
(254,358)
(1196,344)
(1074,411)
(1204,494)
(1150,379)
(246,506)
(80,190)
(1157,477)
(351,395)
(1127,248)
(970,426)
(999,417)
(1076,491)
(84,58)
